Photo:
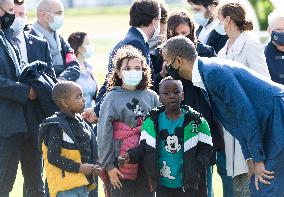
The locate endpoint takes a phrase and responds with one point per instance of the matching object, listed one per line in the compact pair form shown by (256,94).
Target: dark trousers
(31,163)
(174,192)
(9,158)
(15,148)
(137,188)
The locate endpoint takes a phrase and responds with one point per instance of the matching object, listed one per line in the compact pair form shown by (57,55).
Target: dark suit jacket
(215,40)
(38,50)
(249,106)
(12,96)
(70,69)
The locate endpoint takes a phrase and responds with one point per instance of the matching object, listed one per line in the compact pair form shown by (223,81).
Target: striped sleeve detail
(204,132)
(148,132)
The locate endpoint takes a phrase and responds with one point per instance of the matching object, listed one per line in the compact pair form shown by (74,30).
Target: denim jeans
(226,180)
(77,192)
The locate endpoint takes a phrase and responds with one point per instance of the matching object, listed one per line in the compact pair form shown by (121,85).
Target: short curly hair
(128,52)
(62,90)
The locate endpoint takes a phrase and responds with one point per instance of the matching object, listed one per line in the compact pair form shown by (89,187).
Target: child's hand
(114,178)
(97,170)
(87,168)
(123,159)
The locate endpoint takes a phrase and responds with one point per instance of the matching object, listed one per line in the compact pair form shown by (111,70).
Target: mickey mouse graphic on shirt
(172,142)
(137,109)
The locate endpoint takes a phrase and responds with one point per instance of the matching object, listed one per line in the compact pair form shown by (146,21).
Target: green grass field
(105,26)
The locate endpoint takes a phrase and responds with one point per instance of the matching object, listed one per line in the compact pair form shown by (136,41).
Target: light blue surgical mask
(58,21)
(157,30)
(200,19)
(89,51)
(220,29)
(18,25)
(131,77)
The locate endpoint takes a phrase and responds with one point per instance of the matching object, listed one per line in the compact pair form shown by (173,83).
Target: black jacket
(70,69)
(194,159)
(41,78)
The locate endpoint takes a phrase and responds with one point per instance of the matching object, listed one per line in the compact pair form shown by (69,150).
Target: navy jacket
(275,63)
(215,40)
(70,69)
(249,106)
(12,96)
(134,38)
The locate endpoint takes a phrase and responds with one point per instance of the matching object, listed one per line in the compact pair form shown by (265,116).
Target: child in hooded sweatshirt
(175,144)
(121,116)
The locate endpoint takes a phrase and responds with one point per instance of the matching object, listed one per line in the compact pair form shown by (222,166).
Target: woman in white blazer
(243,48)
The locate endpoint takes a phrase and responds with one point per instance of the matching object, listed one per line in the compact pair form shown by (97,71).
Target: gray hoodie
(125,106)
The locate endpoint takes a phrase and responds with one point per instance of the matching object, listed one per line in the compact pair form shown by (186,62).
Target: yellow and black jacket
(64,174)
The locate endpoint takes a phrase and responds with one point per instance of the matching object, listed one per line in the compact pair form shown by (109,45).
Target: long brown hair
(127,53)
(237,14)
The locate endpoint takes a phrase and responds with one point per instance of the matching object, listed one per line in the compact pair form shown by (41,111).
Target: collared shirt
(247,51)
(196,77)
(205,32)
(23,47)
(143,34)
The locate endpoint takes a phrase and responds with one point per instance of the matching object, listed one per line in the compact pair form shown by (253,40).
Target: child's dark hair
(129,52)
(62,90)
(170,79)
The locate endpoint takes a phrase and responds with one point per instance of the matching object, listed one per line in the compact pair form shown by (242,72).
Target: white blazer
(248,51)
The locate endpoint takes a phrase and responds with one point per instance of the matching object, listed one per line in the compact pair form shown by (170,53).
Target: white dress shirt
(143,34)
(196,77)
(205,32)
(23,47)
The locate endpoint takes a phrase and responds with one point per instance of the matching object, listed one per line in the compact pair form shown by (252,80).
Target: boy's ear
(64,103)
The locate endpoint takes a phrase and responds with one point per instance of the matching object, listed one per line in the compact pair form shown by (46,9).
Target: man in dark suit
(145,18)
(203,15)
(13,95)
(249,106)
(50,18)
(32,49)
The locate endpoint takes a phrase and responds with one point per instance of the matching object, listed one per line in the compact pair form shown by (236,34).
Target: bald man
(50,18)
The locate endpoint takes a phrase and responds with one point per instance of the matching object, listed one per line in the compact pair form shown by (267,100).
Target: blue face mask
(220,29)
(200,19)
(277,38)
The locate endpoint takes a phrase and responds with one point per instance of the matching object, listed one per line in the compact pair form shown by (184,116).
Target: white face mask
(200,19)
(131,77)
(58,21)
(157,30)
(89,51)
(220,29)
(18,25)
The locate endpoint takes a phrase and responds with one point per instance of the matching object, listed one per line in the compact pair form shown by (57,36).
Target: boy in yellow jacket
(68,145)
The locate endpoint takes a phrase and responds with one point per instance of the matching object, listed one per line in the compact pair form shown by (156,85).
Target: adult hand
(250,167)
(97,170)
(90,116)
(123,159)
(261,174)
(87,168)
(114,178)
(32,94)
(163,72)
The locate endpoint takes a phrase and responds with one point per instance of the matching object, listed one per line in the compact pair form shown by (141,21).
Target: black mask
(6,20)
(173,72)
